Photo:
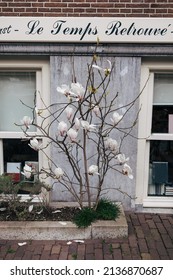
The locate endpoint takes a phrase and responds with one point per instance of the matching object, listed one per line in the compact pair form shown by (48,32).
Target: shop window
(22,86)
(161,151)
(155,145)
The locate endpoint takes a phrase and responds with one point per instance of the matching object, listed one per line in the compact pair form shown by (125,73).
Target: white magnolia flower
(89,127)
(122,159)
(72,134)
(96,110)
(64,89)
(77,90)
(93,169)
(127,171)
(116,118)
(62,128)
(27,171)
(34,144)
(107,71)
(69,112)
(111,144)
(26,121)
(77,123)
(58,173)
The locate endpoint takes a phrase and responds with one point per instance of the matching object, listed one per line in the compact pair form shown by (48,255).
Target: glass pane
(163,88)
(15,88)
(161,168)
(162,121)
(17,153)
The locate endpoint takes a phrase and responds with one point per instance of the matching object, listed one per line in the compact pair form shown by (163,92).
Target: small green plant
(10,251)
(111,249)
(74,256)
(85,217)
(105,210)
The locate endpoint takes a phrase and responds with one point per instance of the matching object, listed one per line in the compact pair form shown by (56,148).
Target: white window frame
(144,134)
(42,69)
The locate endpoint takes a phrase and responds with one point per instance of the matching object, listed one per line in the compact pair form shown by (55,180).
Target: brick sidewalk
(150,237)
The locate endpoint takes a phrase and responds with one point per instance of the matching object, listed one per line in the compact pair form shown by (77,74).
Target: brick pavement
(150,237)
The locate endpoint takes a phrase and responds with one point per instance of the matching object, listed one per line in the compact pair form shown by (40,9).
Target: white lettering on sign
(84,29)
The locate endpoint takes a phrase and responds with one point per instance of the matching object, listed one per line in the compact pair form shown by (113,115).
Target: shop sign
(86,29)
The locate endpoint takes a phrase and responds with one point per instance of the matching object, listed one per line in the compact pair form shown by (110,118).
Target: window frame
(42,70)
(145,136)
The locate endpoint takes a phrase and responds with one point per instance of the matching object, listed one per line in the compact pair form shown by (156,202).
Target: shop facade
(36,55)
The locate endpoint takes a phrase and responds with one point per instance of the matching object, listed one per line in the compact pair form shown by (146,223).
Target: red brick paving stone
(164,258)
(90,257)
(45,255)
(131,229)
(117,254)
(155,234)
(154,254)
(170,232)
(168,242)
(142,245)
(20,252)
(166,223)
(146,229)
(54,257)
(161,248)
(133,241)
(134,219)
(27,255)
(9,256)
(148,216)
(98,254)
(135,254)
(139,232)
(47,247)
(89,248)
(108,250)
(73,248)
(150,242)
(81,252)
(38,250)
(170,218)
(36,257)
(170,253)
(161,228)
(3,252)
(126,254)
(156,218)
(108,257)
(141,218)
(56,249)
(63,253)
(151,223)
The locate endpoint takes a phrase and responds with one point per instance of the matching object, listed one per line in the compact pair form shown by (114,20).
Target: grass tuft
(105,210)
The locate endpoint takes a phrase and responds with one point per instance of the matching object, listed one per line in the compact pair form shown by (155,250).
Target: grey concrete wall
(125,80)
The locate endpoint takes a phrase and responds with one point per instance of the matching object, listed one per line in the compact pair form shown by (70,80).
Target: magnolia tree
(88,135)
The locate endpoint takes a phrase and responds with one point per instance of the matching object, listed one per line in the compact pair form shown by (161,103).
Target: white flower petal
(62,128)
(30,208)
(22,244)
(63,223)
(56,211)
(2,209)
(58,172)
(72,134)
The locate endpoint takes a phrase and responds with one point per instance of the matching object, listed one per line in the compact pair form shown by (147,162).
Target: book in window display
(14,170)
(35,170)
